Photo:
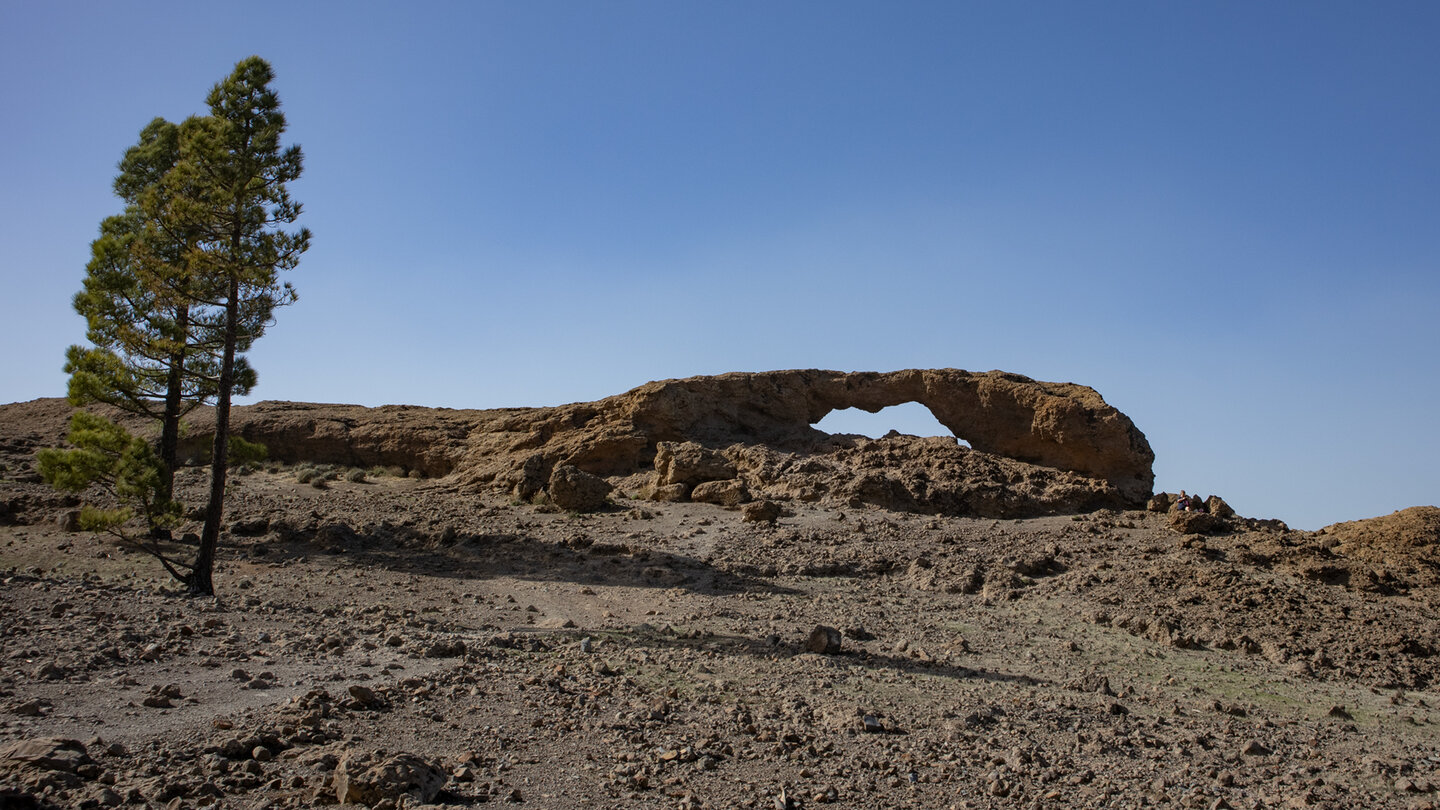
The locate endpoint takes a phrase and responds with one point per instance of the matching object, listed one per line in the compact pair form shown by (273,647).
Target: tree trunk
(201,579)
(170,422)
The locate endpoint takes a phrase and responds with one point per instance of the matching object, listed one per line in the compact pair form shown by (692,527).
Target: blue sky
(1224,216)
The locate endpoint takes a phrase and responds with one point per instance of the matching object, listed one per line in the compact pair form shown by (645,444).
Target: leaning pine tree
(228,187)
(148,356)
(178,288)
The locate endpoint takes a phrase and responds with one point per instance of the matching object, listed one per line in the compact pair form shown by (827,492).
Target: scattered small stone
(30,708)
(1232,709)
(363,695)
(824,640)
(760,512)
(445,648)
(69,520)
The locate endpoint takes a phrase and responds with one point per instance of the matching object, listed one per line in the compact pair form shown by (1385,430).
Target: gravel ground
(399,642)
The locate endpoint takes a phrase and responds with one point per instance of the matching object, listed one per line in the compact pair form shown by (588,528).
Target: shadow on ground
(515,555)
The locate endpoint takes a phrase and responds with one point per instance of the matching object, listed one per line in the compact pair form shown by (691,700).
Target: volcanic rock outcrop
(1035,447)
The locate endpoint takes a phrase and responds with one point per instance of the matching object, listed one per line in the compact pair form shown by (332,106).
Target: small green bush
(245,453)
(355,476)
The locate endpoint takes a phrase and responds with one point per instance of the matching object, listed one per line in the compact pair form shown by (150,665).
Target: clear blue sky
(1224,216)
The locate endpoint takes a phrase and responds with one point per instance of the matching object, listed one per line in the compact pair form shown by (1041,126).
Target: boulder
(528,478)
(48,753)
(689,463)
(364,695)
(824,640)
(671,493)
(1217,506)
(1197,523)
(368,778)
(575,490)
(721,493)
(760,512)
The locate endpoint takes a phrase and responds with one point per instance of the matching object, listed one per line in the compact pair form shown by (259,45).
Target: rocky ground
(400,641)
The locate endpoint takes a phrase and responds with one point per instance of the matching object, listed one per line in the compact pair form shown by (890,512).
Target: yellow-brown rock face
(1035,447)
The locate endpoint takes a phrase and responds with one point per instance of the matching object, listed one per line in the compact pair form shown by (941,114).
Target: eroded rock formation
(1035,447)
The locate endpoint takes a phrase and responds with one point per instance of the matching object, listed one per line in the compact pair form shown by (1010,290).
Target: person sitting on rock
(1184,503)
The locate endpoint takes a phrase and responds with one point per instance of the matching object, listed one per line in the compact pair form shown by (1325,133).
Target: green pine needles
(179,286)
(121,464)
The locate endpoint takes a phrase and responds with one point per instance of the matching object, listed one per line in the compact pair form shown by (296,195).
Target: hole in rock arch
(910,418)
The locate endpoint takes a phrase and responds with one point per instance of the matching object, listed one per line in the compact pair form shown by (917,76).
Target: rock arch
(1060,425)
(1062,446)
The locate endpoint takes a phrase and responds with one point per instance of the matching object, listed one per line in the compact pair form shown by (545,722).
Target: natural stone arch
(1060,425)
(759,419)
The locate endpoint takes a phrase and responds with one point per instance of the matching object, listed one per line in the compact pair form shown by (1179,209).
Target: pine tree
(148,357)
(179,287)
(229,188)
(125,466)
